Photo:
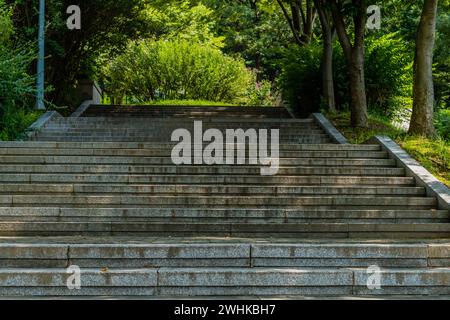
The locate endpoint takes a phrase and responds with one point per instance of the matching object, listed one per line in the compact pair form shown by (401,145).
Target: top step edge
(181,120)
(198,240)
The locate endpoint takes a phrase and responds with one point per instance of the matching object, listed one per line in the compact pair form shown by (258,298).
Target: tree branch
(291,25)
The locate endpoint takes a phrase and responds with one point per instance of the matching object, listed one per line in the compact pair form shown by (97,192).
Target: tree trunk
(358,88)
(423,105)
(327,72)
(354,56)
(327,57)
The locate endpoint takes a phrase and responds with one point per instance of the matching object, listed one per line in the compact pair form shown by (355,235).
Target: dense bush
(388,70)
(300,78)
(16,85)
(177,70)
(443,123)
(442,63)
(388,76)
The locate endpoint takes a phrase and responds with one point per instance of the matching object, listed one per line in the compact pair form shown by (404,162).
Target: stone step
(246,230)
(164,125)
(167,153)
(77,159)
(232,215)
(38,146)
(233,122)
(184,282)
(198,170)
(217,200)
(245,253)
(205,189)
(150,138)
(206,179)
(164,128)
(284,136)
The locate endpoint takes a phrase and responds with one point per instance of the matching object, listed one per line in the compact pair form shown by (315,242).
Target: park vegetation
(315,55)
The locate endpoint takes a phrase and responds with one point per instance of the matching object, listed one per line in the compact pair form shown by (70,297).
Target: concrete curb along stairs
(99,191)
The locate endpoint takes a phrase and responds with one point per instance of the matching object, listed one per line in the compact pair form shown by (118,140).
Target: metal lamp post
(40,105)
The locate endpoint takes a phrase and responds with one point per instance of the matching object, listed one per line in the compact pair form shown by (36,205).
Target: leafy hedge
(177,69)
(443,123)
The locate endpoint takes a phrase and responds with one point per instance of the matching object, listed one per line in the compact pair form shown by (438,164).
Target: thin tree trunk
(354,55)
(423,105)
(327,57)
(327,77)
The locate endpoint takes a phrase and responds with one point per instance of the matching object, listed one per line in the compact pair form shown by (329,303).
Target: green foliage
(388,71)
(177,70)
(261,94)
(300,78)
(183,20)
(255,30)
(442,62)
(106,27)
(6,26)
(443,123)
(15,121)
(389,75)
(16,85)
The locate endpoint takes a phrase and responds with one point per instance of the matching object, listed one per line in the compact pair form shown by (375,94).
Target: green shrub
(388,70)
(16,85)
(16,121)
(6,26)
(300,78)
(177,70)
(441,70)
(389,75)
(443,123)
(260,94)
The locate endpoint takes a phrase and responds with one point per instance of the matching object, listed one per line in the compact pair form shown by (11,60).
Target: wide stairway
(101,192)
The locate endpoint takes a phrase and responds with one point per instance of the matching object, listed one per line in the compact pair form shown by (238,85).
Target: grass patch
(433,154)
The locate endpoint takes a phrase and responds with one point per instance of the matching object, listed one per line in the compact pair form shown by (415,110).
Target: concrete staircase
(100,192)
